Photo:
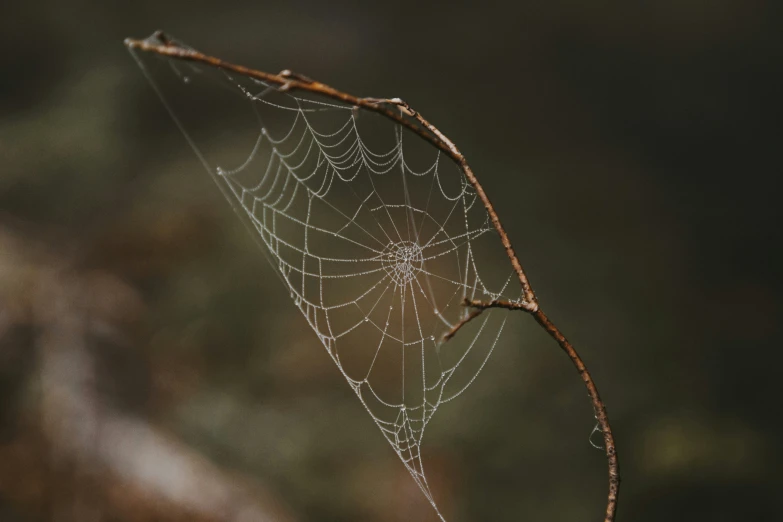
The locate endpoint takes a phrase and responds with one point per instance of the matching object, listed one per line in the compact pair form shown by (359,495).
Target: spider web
(376,235)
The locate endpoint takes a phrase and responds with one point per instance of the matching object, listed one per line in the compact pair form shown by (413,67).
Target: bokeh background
(151,367)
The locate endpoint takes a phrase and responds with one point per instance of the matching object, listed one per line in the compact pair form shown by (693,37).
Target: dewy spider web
(378,239)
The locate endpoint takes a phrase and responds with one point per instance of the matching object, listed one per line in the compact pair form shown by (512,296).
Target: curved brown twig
(400,112)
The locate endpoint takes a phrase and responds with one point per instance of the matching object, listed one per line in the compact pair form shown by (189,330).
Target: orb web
(376,236)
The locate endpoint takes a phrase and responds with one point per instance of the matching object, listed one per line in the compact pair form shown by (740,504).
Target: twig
(400,112)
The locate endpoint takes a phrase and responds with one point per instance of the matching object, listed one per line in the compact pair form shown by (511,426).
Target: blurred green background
(148,367)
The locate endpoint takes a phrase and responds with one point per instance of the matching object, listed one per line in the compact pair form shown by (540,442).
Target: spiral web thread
(376,253)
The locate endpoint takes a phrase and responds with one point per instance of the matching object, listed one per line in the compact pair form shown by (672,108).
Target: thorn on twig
(288,73)
(160,38)
(403,106)
(465,320)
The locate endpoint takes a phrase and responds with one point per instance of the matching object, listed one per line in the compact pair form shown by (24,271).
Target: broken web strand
(295,180)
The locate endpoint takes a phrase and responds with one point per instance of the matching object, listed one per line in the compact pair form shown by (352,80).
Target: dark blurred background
(149,369)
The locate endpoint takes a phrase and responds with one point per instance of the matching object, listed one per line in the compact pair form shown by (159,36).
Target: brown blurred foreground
(75,455)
